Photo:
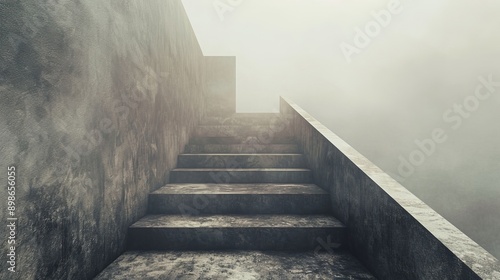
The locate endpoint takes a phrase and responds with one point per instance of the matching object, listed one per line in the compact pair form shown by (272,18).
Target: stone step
(248,140)
(240,161)
(235,232)
(239,199)
(246,119)
(260,131)
(242,148)
(257,265)
(241,175)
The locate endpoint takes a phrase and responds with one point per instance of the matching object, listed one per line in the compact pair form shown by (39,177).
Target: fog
(385,94)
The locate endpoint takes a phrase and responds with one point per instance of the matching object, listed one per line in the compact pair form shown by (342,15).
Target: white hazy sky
(291,47)
(393,93)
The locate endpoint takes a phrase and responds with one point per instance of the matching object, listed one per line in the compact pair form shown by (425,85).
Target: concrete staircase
(241,205)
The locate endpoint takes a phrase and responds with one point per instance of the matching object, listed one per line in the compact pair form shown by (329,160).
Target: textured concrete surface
(242,148)
(274,120)
(97,100)
(236,130)
(262,139)
(224,215)
(241,160)
(240,175)
(240,199)
(234,232)
(390,230)
(215,189)
(237,265)
(240,221)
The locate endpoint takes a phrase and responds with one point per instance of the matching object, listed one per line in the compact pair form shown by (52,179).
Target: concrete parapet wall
(390,230)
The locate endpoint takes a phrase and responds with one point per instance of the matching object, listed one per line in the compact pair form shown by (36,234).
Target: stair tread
(242,154)
(234,125)
(241,169)
(256,115)
(244,118)
(235,265)
(244,137)
(234,160)
(238,221)
(242,148)
(240,189)
(245,144)
(253,140)
(239,130)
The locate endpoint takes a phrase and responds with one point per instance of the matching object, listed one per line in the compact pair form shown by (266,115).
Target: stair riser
(282,239)
(234,177)
(243,149)
(271,120)
(264,139)
(240,131)
(240,161)
(197,204)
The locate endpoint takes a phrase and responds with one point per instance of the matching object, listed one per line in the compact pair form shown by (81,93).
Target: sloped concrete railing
(390,230)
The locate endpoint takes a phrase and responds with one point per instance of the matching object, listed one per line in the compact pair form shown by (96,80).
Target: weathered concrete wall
(97,100)
(221,93)
(390,230)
